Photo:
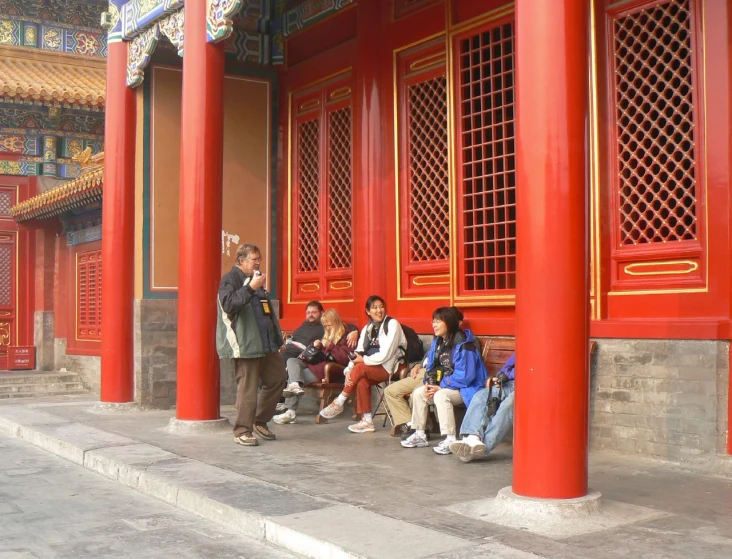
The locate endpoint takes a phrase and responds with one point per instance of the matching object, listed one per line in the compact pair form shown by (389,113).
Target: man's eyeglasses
(255,259)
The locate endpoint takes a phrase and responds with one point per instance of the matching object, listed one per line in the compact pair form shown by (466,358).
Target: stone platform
(321,491)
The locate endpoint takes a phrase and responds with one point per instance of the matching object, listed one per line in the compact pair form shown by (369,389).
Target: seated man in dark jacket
(483,426)
(248,331)
(305,334)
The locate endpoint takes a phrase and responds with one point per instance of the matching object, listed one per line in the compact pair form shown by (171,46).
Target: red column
(368,208)
(552,310)
(118,231)
(201,176)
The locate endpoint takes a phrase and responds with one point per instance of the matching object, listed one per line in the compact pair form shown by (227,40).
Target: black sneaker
(408,432)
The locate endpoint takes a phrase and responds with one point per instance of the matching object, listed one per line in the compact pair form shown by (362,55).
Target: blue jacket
(509,367)
(469,373)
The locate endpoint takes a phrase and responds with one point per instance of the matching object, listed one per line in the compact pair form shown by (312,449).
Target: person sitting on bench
(396,394)
(376,358)
(484,427)
(334,348)
(455,372)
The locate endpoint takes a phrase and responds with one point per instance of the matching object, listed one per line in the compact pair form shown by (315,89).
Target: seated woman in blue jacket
(455,372)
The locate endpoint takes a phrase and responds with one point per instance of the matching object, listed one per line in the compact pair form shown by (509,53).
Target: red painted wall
(346,40)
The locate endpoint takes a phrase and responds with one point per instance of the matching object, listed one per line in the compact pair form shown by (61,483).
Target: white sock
(473,439)
(367,418)
(419,432)
(341,399)
(450,438)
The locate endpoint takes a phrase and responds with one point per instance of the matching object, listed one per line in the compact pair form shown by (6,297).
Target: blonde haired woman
(335,347)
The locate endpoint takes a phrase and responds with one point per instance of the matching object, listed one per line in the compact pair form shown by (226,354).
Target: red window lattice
(656,133)
(308,162)
(339,189)
(486,162)
(428,171)
(89,295)
(6,275)
(322,219)
(6,202)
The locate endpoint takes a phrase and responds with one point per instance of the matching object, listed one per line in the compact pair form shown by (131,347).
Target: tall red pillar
(552,297)
(370,261)
(118,231)
(201,193)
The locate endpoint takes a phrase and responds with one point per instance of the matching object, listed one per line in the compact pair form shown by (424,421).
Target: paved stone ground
(362,493)
(51,508)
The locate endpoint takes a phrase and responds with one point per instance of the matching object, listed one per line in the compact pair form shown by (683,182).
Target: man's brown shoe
(264,432)
(247,439)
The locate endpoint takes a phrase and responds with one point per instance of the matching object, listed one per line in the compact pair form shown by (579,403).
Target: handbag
(312,355)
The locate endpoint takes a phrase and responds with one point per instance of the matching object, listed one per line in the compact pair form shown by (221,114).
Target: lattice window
(6,275)
(308,162)
(339,189)
(656,133)
(6,201)
(89,295)
(487,159)
(428,177)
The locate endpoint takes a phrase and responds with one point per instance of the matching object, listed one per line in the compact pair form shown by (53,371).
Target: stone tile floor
(416,486)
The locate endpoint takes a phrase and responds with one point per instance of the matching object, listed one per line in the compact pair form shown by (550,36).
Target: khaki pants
(250,408)
(444,401)
(395,397)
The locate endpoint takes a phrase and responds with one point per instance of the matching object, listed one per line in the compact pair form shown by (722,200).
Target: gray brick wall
(663,398)
(156,347)
(43,324)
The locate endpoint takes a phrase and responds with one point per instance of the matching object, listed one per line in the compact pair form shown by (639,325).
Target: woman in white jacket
(376,359)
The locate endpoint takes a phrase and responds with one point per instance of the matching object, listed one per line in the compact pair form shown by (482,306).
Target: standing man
(248,332)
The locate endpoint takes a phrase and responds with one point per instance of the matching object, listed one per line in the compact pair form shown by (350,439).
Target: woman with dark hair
(376,358)
(455,372)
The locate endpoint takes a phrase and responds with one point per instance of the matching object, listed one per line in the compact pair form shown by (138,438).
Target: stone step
(9,395)
(37,378)
(46,387)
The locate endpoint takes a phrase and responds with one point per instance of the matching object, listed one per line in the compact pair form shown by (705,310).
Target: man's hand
(491,381)
(414,373)
(258,281)
(352,339)
(358,359)
(431,389)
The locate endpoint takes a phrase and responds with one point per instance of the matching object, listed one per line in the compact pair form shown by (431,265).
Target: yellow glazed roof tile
(78,192)
(52,80)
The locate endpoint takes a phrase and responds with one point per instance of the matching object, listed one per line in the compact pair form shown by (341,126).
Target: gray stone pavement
(322,491)
(51,508)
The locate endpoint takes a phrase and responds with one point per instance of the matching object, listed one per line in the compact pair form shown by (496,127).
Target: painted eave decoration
(80,192)
(51,78)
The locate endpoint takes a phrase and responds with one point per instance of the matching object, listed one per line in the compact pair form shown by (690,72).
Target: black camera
(433,377)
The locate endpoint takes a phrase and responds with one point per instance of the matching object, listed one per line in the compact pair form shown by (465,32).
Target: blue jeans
(491,431)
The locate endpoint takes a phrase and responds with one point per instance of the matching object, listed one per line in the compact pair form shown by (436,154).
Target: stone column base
(555,518)
(114,408)
(186,427)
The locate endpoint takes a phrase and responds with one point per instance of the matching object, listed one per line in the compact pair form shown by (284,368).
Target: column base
(114,408)
(186,427)
(555,518)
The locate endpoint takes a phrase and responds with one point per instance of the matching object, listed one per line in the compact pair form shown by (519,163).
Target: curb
(137,476)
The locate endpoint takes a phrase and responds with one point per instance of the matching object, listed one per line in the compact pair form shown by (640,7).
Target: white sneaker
(288,417)
(415,441)
(468,446)
(443,448)
(293,389)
